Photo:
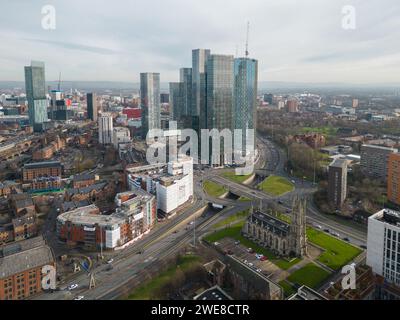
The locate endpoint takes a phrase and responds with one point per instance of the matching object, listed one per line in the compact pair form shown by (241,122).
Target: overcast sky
(115,40)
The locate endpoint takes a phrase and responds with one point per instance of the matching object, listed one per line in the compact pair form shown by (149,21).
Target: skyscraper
(245,96)
(219,92)
(199,60)
(35,86)
(185,77)
(150,102)
(105,128)
(176,103)
(91,102)
(337,183)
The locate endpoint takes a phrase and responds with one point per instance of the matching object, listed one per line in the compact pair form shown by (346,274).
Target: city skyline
(290,45)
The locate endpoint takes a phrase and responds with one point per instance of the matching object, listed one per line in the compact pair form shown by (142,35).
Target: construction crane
(247,40)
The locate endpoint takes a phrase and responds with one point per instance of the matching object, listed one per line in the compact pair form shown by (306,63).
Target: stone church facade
(282,238)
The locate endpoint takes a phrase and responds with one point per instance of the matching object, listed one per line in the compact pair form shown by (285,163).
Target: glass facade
(245,96)
(186,79)
(150,102)
(35,86)
(199,60)
(176,101)
(219,92)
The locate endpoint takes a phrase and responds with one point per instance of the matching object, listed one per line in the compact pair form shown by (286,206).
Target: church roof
(269,222)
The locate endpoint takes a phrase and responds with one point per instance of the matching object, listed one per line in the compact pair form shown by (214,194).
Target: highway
(129,268)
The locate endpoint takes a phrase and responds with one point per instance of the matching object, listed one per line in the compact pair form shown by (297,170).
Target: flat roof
(339,163)
(83,216)
(213,293)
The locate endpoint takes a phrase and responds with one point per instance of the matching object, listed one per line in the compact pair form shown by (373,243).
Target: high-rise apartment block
(383,253)
(199,61)
(92,107)
(105,128)
(150,102)
(219,106)
(337,183)
(245,99)
(374,161)
(35,86)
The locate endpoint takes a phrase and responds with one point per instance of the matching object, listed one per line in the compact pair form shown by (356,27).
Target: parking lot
(266,267)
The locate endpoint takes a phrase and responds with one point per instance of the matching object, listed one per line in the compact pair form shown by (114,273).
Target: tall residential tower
(35,86)
(150,102)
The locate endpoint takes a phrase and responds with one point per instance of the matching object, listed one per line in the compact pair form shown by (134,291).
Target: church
(282,238)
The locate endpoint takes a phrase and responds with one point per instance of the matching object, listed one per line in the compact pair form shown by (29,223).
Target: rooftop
(306,293)
(24,255)
(388,216)
(44,164)
(213,293)
(339,163)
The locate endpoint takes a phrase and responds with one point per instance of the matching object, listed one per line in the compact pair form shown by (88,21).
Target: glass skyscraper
(185,78)
(219,92)
(176,101)
(245,96)
(35,86)
(150,102)
(199,60)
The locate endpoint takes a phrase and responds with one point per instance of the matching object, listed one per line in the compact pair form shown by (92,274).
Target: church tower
(298,238)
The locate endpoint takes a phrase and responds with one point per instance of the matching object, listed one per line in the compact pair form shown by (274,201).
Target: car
(191,222)
(245,261)
(72,286)
(336,234)
(280,201)
(216,243)
(250,264)
(327,230)
(237,242)
(363,246)
(293,181)
(346,239)
(259,270)
(58,209)
(110,261)
(258,256)
(250,250)
(263,258)
(79,298)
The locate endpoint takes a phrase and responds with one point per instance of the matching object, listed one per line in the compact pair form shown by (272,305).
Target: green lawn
(148,290)
(310,275)
(288,289)
(235,178)
(242,215)
(276,185)
(327,130)
(234,232)
(337,252)
(214,189)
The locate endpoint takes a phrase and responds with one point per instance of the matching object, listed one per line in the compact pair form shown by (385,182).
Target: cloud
(116,40)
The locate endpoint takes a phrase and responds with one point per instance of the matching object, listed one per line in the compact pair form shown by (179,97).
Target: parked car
(363,247)
(346,239)
(237,242)
(72,286)
(79,298)
(250,250)
(326,230)
(263,258)
(216,243)
(110,261)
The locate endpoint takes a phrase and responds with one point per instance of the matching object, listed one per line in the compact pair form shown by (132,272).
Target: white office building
(120,135)
(172,183)
(105,128)
(383,253)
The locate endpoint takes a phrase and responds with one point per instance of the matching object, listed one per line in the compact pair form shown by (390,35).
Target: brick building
(21,266)
(84,180)
(36,170)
